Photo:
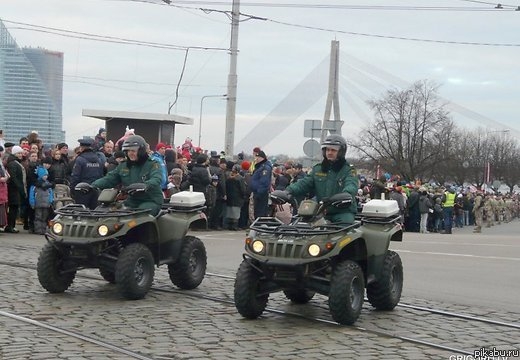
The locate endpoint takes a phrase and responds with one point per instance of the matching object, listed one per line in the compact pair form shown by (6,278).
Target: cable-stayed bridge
(359,82)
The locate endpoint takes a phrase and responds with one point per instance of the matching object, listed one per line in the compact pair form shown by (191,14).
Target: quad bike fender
(175,225)
(377,239)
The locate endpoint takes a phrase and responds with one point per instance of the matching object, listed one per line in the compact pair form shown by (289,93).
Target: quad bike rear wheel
(189,271)
(247,300)
(347,291)
(51,270)
(385,293)
(134,271)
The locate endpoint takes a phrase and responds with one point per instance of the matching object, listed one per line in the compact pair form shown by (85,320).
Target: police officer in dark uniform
(88,167)
(261,184)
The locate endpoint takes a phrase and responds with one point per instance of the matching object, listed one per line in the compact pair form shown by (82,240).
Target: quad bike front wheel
(248,302)
(189,271)
(134,271)
(51,270)
(347,291)
(385,293)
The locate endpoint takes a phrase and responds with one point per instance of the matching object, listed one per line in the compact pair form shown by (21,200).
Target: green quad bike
(124,244)
(311,255)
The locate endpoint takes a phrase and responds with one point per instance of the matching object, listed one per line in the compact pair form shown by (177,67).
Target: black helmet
(337,141)
(136,142)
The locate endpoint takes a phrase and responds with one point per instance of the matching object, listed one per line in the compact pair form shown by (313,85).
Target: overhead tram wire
(496,4)
(336,31)
(176,3)
(105,38)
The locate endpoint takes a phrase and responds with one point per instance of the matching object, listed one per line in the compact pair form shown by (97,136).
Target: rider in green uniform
(332,176)
(138,168)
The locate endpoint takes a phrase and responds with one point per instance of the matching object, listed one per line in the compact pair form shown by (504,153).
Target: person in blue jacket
(41,198)
(261,184)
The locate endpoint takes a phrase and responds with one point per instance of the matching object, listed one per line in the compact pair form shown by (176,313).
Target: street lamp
(200,115)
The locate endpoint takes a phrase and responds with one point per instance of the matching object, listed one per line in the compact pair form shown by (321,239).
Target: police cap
(86,141)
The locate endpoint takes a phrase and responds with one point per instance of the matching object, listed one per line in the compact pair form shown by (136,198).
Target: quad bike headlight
(103,230)
(57,228)
(258,246)
(314,250)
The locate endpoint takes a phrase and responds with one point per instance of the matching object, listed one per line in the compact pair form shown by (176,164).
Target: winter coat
(221,187)
(3,185)
(41,195)
(281,182)
(87,168)
(16,187)
(199,178)
(164,172)
(425,204)
(59,172)
(261,178)
(236,190)
(148,173)
(399,197)
(327,179)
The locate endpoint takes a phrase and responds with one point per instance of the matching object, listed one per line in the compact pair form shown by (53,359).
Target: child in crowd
(174,184)
(41,198)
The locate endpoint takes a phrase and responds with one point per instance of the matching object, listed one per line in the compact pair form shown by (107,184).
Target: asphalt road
(473,274)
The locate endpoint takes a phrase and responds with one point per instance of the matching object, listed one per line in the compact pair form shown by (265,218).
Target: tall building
(31,91)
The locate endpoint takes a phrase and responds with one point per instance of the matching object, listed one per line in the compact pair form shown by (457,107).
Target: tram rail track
(274,310)
(76,335)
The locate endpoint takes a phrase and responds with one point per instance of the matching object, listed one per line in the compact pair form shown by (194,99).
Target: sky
(471,49)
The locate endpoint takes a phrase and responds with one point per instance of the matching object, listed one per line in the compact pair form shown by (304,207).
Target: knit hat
(245,165)
(160,146)
(41,172)
(16,149)
(101,130)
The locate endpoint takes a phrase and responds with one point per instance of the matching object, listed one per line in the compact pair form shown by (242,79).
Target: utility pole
(229,138)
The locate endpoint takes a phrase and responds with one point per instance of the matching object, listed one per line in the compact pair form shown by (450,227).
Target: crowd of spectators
(428,208)
(236,192)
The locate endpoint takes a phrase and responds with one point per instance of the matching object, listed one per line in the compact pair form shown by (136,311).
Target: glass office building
(31,91)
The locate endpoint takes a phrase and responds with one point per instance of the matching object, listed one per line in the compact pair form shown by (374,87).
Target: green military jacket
(325,184)
(149,173)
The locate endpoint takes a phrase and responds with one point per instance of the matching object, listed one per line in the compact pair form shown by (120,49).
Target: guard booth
(154,128)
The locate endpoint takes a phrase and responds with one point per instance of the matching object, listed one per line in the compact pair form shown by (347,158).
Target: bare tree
(504,158)
(410,131)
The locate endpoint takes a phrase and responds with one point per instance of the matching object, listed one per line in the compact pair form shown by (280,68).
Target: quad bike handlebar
(131,189)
